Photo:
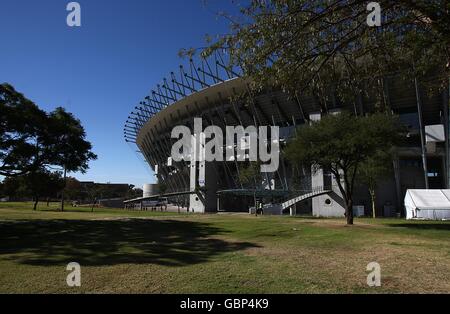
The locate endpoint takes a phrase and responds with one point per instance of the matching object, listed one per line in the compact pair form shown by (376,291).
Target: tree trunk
(256,205)
(346,192)
(48,201)
(36,201)
(349,211)
(62,192)
(372,198)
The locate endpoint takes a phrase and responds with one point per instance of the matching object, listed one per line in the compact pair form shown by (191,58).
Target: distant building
(106,190)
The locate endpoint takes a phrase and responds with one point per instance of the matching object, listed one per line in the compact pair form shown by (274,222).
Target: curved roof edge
(191,104)
(188,81)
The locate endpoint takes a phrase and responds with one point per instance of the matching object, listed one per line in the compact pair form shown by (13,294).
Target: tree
(250,175)
(73,189)
(137,192)
(162,188)
(133,192)
(22,126)
(342,143)
(43,183)
(324,47)
(11,187)
(67,145)
(372,171)
(32,141)
(36,184)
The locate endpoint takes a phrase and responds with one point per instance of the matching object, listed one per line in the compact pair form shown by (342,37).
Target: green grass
(153,252)
(23,210)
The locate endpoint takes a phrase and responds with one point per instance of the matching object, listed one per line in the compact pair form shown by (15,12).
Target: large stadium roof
(190,79)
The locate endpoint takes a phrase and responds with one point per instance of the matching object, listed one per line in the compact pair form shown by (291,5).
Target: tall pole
(447,133)
(422,135)
(62,191)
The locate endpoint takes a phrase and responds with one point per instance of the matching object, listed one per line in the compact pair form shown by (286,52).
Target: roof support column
(422,133)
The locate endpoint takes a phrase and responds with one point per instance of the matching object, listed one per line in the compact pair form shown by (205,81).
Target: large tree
(22,127)
(316,46)
(67,145)
(32,141)
(340,143)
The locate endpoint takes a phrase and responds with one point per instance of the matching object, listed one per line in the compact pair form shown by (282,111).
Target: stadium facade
(211,91)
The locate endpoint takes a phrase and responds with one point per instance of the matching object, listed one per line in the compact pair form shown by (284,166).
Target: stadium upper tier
(218,95)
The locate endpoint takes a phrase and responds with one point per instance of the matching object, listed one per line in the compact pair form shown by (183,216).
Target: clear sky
(102,69)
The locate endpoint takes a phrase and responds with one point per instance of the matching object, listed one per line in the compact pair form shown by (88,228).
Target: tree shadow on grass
(96,243)
(423,226)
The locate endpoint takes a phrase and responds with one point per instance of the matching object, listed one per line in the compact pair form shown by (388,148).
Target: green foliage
(134,193)
(342,143)
(66,142)
(31,139)
(21,132)
(162,188)
(90,191)
(323,46)
(11,187)
(375,168)
(250,175)
(73,189)
(36,184)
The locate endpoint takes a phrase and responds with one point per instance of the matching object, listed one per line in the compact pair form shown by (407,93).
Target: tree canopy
(66,142)
(32,140)
(316,46)
(340,143)
(22,128)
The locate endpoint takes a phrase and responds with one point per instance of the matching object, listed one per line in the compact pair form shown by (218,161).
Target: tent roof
(430,199)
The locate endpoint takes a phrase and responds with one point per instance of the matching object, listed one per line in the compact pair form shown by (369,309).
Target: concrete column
(422,133)
(197,168)
(293,210)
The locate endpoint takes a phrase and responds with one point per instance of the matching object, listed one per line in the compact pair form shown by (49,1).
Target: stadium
(210,90)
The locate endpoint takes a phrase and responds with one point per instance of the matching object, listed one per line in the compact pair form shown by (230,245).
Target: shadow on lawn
(423,226)
(135,241)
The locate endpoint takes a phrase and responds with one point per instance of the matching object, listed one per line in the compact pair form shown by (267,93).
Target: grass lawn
(133,252)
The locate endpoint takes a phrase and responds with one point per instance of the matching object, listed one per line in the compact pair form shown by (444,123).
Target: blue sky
(100,70)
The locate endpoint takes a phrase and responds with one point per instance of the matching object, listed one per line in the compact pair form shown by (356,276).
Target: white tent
(427,204)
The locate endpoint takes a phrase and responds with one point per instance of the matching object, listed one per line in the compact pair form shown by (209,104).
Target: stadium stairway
(310,194)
